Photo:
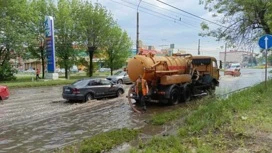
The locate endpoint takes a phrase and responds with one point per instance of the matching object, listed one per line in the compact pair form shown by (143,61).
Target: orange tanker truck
(173,79)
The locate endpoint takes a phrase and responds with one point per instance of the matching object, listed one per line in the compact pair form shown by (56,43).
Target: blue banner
(50,44)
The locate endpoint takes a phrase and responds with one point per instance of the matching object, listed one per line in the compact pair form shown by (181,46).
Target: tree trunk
(42,57)
(66,68)
(111,65)
(91,53)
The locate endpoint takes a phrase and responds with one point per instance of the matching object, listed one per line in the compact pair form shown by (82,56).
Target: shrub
(7,72)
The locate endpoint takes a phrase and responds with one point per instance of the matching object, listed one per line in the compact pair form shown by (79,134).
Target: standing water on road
(249,77)
(38,119)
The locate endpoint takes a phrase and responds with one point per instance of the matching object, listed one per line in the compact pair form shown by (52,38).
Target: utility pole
(266,66)
(137,33)
(225,56)
(198,46)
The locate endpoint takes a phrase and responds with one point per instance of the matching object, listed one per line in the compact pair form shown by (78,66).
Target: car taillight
(76,91)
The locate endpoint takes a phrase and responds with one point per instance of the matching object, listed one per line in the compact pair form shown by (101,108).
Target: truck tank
(169,69)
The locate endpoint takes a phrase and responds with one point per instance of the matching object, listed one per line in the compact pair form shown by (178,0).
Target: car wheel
(88,97)
(119,92)
(120,82)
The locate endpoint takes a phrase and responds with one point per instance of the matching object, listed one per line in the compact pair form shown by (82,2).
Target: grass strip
(221,125)
(103,142)
(23,81)
(166,117)
(38,83)
(177,113)
(221,111)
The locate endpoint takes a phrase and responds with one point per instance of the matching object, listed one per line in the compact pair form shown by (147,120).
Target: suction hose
(130,103)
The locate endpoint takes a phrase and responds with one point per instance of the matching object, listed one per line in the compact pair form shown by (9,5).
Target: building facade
(245,58)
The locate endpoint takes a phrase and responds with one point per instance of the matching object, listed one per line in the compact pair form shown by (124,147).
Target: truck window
(214,64)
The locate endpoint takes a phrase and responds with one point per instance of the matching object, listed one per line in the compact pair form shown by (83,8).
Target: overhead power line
(191,14)
(150,10)
(176,20)
(162,15)
(157,14)
(173,12)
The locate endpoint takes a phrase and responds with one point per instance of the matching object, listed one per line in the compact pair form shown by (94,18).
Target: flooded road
(248,78)
(38,119)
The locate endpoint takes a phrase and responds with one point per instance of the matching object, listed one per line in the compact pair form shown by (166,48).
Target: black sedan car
(88,89)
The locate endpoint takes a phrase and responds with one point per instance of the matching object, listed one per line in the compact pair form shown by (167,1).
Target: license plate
(68,90)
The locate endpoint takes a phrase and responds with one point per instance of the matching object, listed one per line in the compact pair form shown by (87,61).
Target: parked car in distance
(30,70)
(233,69)
(104,70)
(60,70)
(74,69)
(4,92)
(88,89)
(120,77)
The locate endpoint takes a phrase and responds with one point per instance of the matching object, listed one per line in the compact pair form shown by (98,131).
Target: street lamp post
(137,37)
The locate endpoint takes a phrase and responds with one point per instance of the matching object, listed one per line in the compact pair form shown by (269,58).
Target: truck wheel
(174,97)
(185,94)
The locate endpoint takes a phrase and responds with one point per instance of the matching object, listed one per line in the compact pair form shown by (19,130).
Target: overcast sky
(162,25)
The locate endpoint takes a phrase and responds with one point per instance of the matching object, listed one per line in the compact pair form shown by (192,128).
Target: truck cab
(207,71)
(206,65)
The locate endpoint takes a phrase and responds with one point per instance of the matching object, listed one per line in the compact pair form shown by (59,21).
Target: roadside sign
(265,41)
(50,44)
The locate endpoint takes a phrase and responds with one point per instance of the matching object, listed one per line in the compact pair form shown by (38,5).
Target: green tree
(95,21)
(66,24)
(38,9)
(117,48)
(13,19)
(243,21)
(6,71)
